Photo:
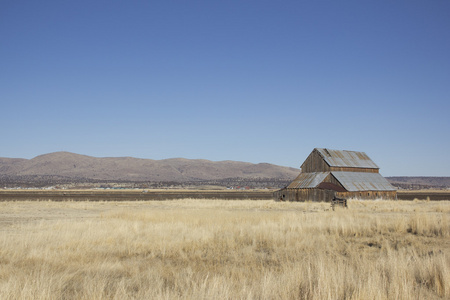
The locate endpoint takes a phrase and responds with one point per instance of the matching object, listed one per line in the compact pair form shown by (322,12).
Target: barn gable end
(315,163)
(327,173)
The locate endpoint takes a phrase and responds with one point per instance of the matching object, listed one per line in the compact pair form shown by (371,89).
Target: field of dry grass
(200,249)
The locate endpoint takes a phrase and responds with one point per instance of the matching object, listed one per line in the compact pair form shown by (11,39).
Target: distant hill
(67,166)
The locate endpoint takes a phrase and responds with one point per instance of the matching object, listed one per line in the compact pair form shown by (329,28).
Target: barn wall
(330,178)
(368,195)
(349,169)
(317,195)
(285,195)
(280,195)
(315,163)
(321,195)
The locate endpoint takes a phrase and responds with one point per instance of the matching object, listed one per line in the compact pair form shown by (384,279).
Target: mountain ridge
(68,164)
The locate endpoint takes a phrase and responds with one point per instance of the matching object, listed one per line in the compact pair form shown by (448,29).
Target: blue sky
(256,81)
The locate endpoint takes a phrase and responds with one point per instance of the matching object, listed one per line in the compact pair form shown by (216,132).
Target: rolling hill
(67,167)
(70,165)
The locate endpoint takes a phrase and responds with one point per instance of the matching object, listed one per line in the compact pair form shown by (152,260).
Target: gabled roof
(360,181)
(351,181)
(344,158)
(308,180)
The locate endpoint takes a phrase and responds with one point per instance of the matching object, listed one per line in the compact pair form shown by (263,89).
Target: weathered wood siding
(348,169)
(317,195)
(315,163)
(321,195)
(330,178)
(369,195)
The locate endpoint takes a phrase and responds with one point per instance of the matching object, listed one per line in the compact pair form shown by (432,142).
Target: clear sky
(256,81)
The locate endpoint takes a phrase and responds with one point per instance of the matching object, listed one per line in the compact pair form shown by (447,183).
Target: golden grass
(214,249)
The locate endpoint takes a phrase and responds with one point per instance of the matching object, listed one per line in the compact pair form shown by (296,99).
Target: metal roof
(360,181)
(344,158)
(308,180)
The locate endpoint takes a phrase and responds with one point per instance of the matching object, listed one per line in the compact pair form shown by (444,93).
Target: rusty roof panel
(308,180)
(344,158)
(359,181)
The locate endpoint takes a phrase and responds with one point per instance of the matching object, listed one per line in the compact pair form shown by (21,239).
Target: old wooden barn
(330,173)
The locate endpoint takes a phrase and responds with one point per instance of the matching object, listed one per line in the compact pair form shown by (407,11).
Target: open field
(423,194)
(171,194)
(202,249)
(132,195)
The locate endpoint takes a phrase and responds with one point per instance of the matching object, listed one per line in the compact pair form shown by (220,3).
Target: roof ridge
(346,158)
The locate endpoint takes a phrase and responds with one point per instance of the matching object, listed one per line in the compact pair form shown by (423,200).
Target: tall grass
(197,249)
